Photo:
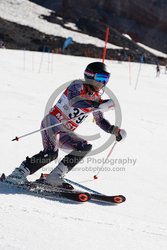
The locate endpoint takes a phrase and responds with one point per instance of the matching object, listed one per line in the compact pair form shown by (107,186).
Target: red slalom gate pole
(105,46)
(105,49)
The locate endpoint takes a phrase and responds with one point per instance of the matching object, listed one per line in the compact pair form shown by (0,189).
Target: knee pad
(76,156)
(83,146)
(87,147)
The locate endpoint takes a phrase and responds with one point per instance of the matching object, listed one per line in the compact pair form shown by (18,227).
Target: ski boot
(18,176)
(56,177)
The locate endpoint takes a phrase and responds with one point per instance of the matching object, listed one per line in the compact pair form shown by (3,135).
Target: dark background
(144,20)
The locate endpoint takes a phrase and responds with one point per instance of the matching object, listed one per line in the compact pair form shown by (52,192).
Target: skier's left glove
(120,134)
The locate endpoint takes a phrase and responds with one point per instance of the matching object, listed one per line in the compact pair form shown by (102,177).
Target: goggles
(103,78)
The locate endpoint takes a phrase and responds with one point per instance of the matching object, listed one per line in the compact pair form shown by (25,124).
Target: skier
(157,70)
(166,69)
(80,97)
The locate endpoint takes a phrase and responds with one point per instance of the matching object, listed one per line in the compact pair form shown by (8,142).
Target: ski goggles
(103,78)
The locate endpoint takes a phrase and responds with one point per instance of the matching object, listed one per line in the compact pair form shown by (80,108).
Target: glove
(119,133)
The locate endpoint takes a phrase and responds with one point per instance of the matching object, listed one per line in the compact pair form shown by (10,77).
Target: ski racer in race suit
(80,98)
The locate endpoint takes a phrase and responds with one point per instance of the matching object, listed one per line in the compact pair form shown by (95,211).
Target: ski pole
(138,76)
(55,125)
(111,150)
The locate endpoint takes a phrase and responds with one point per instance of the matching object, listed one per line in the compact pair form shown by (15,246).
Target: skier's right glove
(120,134)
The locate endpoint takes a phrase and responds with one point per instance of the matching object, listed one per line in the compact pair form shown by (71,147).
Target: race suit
(72,108)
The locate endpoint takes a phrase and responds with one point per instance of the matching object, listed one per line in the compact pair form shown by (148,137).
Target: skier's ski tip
(119,199)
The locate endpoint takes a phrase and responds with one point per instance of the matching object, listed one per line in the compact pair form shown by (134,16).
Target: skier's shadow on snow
(11,190)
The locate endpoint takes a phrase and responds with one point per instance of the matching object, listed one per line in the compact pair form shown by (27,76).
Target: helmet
(96,75)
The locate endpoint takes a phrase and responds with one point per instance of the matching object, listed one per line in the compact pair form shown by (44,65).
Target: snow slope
(29,14)
(153,51)
(27,79)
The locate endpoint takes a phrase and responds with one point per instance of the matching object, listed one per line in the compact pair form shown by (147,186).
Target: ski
(45,190)
(113,199)
(42,189)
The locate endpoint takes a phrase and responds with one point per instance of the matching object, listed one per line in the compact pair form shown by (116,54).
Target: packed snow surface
(136,167)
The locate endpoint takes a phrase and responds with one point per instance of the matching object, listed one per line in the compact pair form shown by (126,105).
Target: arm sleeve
(102,122)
